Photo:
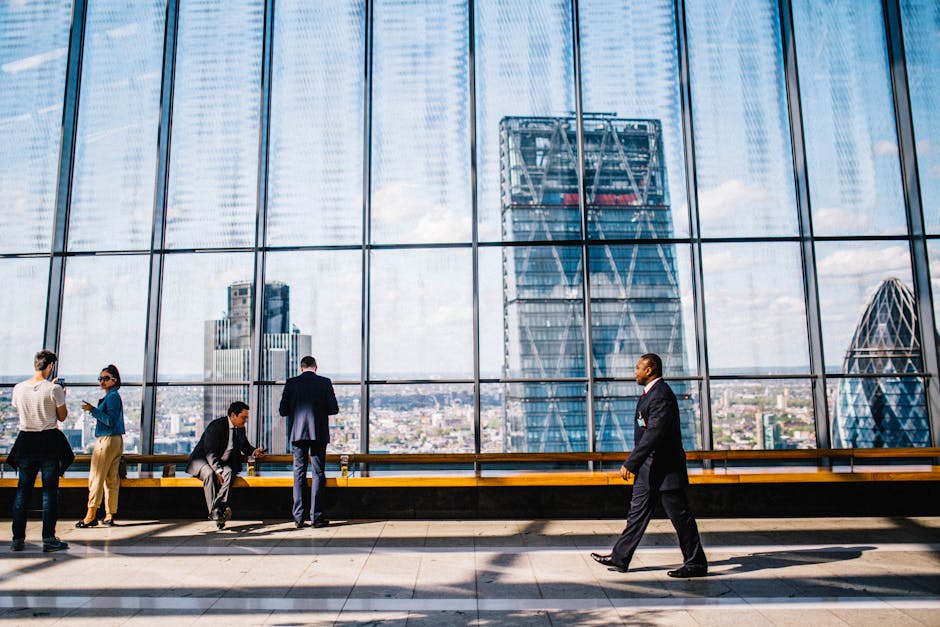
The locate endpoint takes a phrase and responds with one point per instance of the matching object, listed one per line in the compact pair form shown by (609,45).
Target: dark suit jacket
(213,443)
(308,402)
(658,459)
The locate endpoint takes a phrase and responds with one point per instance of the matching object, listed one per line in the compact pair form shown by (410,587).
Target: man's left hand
(624,473)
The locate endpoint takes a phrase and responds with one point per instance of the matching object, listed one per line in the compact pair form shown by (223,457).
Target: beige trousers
(104,472)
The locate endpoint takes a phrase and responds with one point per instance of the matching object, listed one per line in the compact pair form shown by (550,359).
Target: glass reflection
(742,133)
(767,414)
(34,39)
(182,415)
(104,316)
(21,318)
(315,162)
(116,145)
(754,308)
(848,117)
(421,125)
(213,180)
(421,418)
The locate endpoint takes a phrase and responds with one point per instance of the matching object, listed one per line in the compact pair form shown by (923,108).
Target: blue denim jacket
(109,414)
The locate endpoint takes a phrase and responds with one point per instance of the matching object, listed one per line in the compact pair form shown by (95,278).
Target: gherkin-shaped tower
(887,411)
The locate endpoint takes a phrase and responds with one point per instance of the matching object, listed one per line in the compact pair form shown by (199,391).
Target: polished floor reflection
(851,571)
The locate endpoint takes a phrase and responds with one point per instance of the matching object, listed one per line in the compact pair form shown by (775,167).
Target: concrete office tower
(228,357)
(635,296)
(890,410)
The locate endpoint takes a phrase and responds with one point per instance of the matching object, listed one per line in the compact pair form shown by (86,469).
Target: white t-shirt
(36,402)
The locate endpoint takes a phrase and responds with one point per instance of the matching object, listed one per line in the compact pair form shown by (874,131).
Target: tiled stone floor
(850,571)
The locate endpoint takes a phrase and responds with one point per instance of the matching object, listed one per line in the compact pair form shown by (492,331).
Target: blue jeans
(28,469)
(317,451)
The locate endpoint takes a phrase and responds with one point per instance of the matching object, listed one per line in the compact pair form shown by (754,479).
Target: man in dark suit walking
(217,459)
(308,401)
(658,462)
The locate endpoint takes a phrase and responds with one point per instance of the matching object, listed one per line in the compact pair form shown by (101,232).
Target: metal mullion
(158,235)
(261,219)
(366,230)
(698,290)
(808,249)
(897,65)
(474,233)
(60,217)
(582,207)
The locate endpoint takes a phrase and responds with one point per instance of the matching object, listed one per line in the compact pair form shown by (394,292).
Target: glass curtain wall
(477,215)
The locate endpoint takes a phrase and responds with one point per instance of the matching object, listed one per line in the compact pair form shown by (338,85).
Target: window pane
(344,427)
(213,182)
(421,122)
(104,316)
(921,21)
(425,418)
(116,146)
(532,312)
(742,134)
(851,141)
(524,67)
(641,302)
(545,417)
(889,412)
(79,427)
(766,414)
(315,176)
(206,305)
(635,77)
(754,308)
(615,406)
(34,39)
(184,411)
(422,315)
(316,297)
(933,253)
(22,318)
(867,303)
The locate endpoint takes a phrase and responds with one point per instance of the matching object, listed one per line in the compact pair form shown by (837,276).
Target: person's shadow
(777,559)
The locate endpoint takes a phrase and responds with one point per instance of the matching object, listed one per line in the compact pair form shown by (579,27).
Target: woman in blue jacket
(109,445)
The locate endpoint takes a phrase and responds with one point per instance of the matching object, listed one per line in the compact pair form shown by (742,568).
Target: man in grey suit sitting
(308,401)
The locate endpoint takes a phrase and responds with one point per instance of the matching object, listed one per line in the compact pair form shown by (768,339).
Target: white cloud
(730,197)
(715,261)
(885,148)
(856,262)
(34,61)
(406,209)
(839,219)
(924,147)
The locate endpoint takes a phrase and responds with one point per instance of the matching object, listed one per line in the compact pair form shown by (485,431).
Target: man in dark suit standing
(217,459)
(658,462)
(308,401)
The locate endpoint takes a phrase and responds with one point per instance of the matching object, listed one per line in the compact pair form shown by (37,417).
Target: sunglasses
(106,378)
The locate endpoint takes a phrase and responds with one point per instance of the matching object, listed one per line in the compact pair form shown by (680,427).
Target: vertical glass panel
(344,427)
(754,308)
(315,161)
(104,316)
(921,23)
(933,254)
(183,412)
(633,168)
(525,69)
(641,302)
(34,39)
(766,414)
(313,306)
(421,122)
(742,133)
(116,145)
(422,314)
(22,317)
(79,427)
(205,318)
(532,312)
(869,315)
(213,182)
(848,116)
(878,412)
(421,418)
(615,407)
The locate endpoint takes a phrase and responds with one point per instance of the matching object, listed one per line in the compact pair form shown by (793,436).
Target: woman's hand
(86,406)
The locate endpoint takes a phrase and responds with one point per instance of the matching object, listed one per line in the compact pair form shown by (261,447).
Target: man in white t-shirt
(40,403)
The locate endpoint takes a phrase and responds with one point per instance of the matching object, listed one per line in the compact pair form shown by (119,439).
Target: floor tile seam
(362,566)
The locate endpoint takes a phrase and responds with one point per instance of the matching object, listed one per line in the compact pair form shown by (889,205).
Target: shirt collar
(649,386)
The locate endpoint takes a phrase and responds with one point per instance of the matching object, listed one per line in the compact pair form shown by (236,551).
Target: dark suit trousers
(317,452)
(216,495)
(641,510)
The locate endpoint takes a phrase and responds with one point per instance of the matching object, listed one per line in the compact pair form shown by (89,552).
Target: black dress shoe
(319,523)
(608,560)
(298,524)
(84,525)
(685,572)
